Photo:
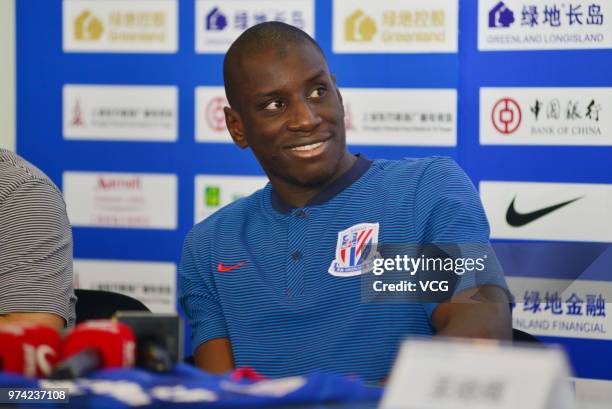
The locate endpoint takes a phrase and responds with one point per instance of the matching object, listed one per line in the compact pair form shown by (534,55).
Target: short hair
(260,37)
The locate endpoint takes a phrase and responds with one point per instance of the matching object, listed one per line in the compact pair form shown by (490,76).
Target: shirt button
(300,213)
(296,255)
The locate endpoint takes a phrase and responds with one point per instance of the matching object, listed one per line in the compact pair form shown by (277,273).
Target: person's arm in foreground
(199,300)
(475,313)
(449,211)
(36,257)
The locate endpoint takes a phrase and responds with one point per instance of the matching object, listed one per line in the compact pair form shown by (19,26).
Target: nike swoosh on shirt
(516,219)
(224,269)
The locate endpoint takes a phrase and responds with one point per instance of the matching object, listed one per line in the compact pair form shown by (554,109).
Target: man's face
(290,114)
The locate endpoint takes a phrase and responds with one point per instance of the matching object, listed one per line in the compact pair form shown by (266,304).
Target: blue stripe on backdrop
(587,356)
(43,69)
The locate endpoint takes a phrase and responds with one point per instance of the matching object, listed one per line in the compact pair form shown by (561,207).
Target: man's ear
(234,126)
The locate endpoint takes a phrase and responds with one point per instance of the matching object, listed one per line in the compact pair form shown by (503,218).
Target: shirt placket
(297,252)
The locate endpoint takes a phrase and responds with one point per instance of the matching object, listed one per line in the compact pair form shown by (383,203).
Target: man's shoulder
(16,172)
(413,169)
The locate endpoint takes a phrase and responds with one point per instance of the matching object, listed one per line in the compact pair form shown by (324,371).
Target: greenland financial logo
(562,308)
(533,25)
(548,211)
(546,116)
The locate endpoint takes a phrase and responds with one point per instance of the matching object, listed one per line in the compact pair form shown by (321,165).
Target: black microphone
(159,339)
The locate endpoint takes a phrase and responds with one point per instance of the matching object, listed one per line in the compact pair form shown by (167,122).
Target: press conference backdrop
(120,102)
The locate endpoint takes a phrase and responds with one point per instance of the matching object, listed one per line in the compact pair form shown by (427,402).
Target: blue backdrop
(43,69)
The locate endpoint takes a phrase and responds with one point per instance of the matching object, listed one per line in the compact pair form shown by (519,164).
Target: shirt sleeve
(36,252)
(449,213)
(197,294)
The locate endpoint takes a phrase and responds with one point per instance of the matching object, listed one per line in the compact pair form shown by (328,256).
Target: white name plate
(475,374)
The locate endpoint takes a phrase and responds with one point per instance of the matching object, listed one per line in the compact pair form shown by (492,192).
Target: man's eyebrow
(313,77)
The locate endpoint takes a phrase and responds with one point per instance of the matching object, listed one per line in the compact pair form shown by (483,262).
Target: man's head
(285,105)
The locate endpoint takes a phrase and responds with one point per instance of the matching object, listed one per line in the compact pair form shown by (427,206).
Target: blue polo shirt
(281,282)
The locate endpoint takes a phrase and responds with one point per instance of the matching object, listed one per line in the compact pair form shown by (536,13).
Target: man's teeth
(307,147)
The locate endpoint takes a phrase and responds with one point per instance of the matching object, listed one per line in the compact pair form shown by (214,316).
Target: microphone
(97,344)
(29,349)
(159,339)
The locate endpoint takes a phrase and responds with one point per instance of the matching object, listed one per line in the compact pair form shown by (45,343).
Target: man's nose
(304,117)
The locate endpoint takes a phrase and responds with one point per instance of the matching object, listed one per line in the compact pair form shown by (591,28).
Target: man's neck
(300,196)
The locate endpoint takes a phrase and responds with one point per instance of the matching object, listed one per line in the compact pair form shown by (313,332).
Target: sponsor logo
(360,27)
(354,253)
(153,283)
(212,192)
(394,26)
(112,26)
(209,115)
(215,117)
(223,269)
(506,115)
(426,117)
(121,200)
(562,308)
(548,211)
(120,113)
(500,16)
(217,27)
(531,25)
(545,116)
(215,20)
(87,26)
(516,219)
(77,116)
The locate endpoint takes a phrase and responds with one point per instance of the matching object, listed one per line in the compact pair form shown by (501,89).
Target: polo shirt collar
(361,165)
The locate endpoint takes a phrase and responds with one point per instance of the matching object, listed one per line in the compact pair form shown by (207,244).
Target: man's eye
(317,92)
(274,105)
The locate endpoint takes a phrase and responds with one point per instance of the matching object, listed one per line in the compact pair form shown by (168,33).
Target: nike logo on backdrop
(516,219)
(224,269)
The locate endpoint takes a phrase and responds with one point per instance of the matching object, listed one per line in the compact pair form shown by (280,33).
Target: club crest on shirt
(355,250)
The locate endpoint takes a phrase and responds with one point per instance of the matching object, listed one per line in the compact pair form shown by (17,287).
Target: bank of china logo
(87,27)
(500,16)
(506,116)
(215,20)
(359,27)
(355,250)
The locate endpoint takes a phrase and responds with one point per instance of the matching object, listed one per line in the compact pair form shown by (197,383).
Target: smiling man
(274,280)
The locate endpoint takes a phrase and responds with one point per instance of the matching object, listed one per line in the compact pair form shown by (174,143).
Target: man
(263,280)
(35,247)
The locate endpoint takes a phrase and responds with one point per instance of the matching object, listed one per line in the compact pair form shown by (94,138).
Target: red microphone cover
(113,340)
(29,349)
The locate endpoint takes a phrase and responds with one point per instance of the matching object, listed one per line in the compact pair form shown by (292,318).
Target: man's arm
(50,320)
(215,356)
(36,257)
(475,313)
(200,302)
